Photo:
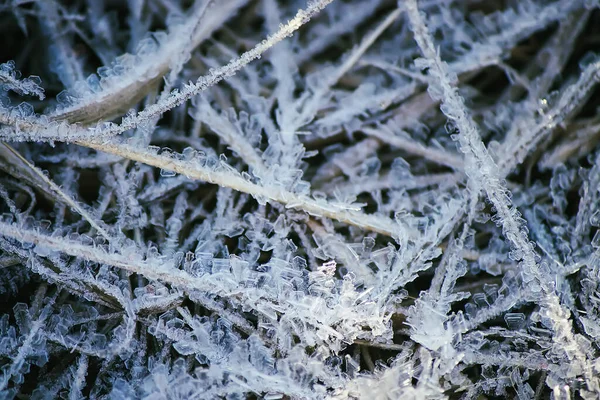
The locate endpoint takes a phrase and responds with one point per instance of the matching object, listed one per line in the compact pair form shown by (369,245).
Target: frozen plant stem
(147,268)
(231,179)
(191,89)
(35,129)
(480,166)
(120,93)
(53,187)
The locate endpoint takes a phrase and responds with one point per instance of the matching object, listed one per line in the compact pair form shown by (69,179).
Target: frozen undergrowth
(289,199)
